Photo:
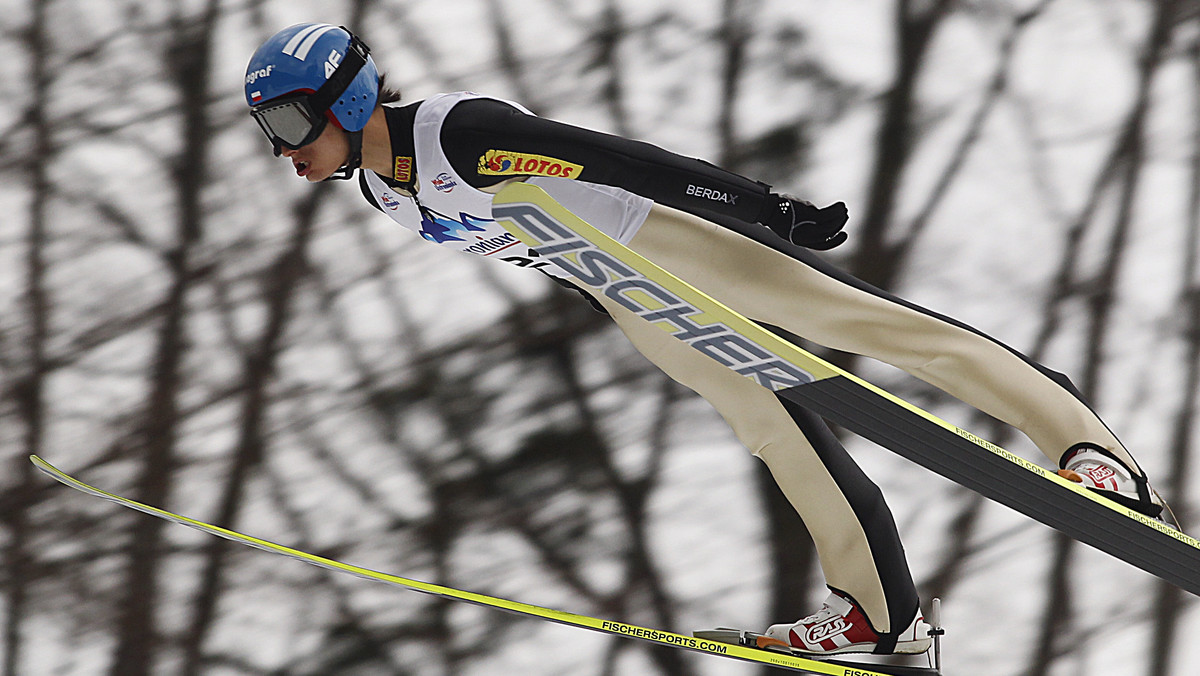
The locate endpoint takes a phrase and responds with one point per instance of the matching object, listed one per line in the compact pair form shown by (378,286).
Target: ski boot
(1098,470)
(840,626)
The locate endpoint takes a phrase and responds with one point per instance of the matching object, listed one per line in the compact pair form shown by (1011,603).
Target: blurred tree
(188,58)
(1170,602)
(27,381)
(916,23)
(230,343)
(1120,180)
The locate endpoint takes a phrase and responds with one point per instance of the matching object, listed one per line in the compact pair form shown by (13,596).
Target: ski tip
(47,468)
(43,465)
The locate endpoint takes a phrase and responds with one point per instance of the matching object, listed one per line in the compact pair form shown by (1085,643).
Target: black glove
(803,224)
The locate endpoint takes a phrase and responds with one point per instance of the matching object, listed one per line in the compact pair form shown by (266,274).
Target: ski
(620,629)
(797,376)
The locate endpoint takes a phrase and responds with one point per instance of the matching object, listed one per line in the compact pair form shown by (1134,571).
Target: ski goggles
(296,120)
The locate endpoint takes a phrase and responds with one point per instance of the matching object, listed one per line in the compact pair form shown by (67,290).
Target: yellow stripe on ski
(559,236)
(622,629)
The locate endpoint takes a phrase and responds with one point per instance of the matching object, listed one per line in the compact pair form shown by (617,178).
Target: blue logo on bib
(439,228)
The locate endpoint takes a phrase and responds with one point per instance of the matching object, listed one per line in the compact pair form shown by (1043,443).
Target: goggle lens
(289,123)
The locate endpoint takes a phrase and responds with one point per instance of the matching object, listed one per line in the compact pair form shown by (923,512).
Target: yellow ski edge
(517,194)
(621,629)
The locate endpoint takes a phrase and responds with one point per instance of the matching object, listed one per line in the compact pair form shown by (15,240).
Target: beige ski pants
(769,286)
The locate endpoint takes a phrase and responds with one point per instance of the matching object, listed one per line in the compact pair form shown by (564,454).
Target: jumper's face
(318,160)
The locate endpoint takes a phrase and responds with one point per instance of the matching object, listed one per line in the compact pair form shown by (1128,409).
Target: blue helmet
(301,58)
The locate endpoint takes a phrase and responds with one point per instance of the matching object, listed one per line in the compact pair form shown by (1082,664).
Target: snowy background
(184,321)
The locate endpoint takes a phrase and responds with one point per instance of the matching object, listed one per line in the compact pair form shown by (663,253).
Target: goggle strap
(353,61)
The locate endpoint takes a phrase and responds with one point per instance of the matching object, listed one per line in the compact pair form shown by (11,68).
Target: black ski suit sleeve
(475,126)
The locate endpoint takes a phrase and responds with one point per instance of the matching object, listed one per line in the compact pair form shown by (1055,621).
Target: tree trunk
(1130,161)
(29,387)
(258,373)
(188,59)
(1169,601)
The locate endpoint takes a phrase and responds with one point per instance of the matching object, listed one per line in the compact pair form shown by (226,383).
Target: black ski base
(1138,540)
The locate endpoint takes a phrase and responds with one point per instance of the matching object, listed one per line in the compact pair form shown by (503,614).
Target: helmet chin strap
(353,161)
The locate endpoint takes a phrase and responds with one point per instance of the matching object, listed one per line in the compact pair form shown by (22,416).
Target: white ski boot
(1098,470)
(840,626)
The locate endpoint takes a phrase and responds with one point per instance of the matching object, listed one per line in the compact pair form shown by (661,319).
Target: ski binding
(750,639)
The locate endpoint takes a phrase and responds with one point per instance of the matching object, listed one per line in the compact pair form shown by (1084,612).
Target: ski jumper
(454,151)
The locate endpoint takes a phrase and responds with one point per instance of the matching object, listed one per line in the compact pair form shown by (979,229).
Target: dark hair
(386,93)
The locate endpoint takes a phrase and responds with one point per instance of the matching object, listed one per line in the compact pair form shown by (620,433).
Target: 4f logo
(331,63)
